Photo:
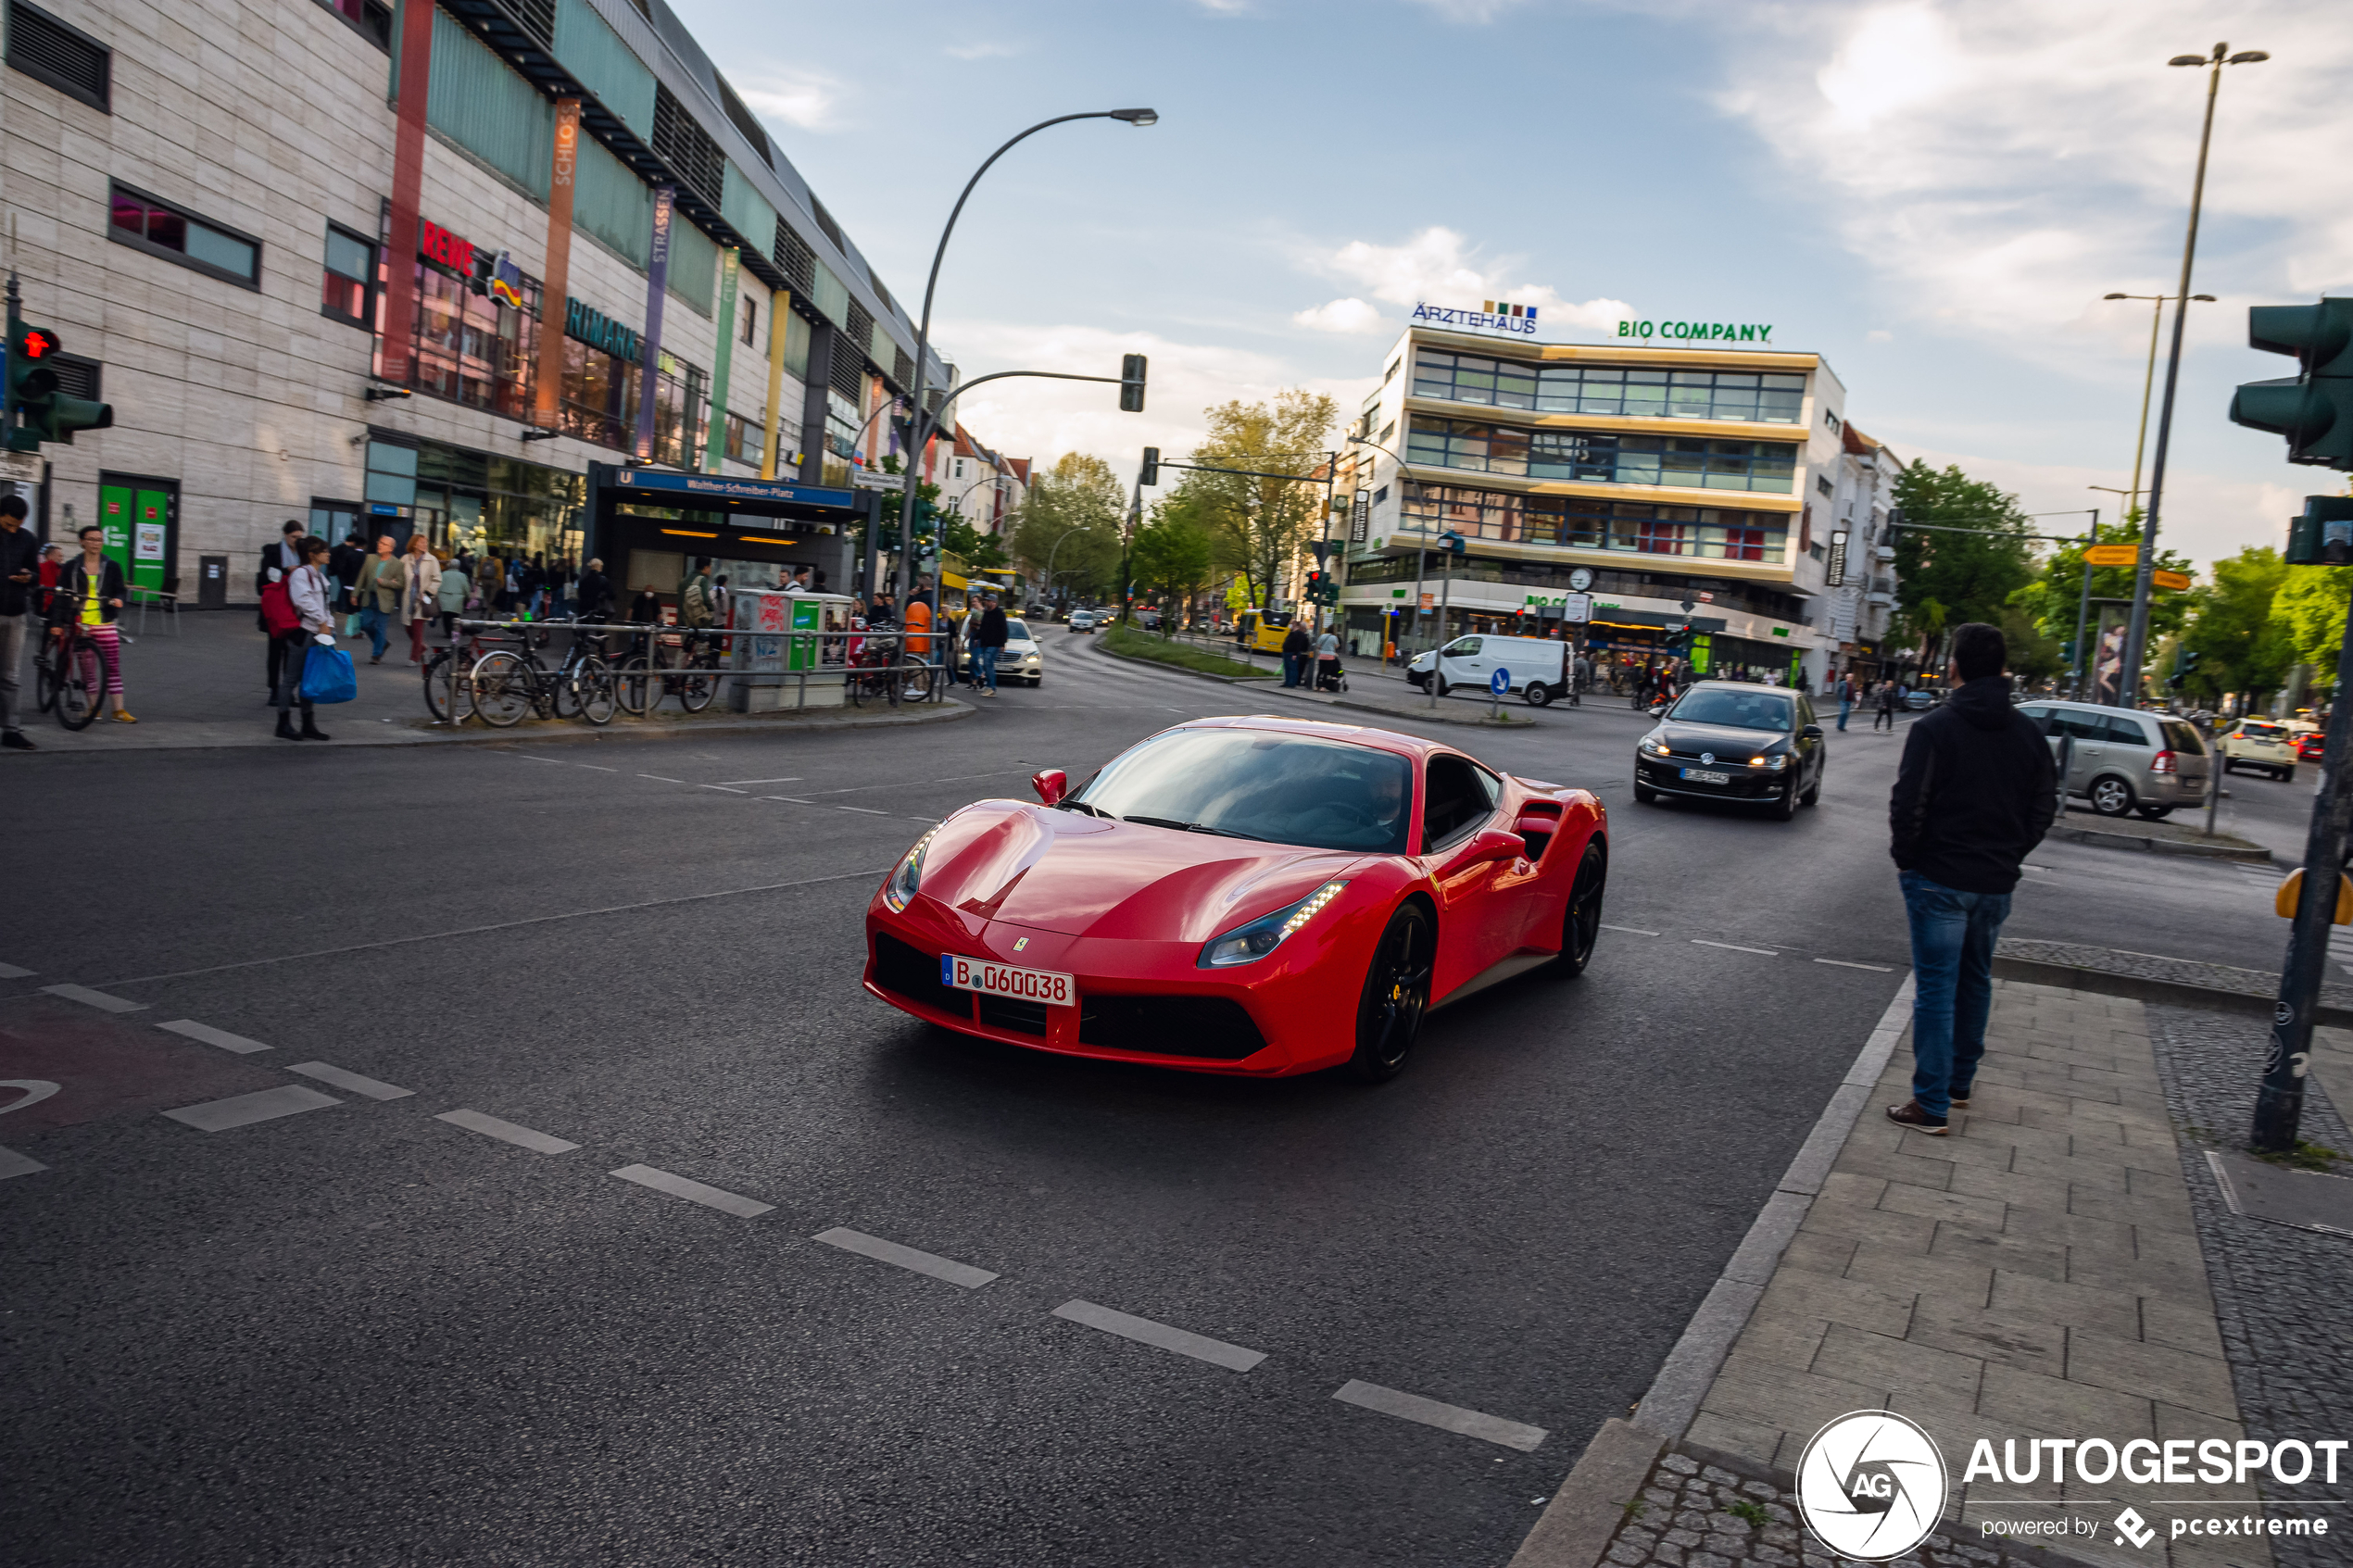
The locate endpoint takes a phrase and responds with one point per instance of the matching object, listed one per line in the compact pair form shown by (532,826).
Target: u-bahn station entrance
(649,526)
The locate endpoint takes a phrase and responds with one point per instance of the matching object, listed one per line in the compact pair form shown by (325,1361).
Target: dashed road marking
(506,1132)
(1449,1418)
(262,1105)
(788,799)
(1844,963)
(693,1191)
(351,1082)
(207,1034)
(795,779)
(15,1164)
(869,810)
(659,779)
(10,972)
(1144,1331)
(727,789)
(1733,948)
(100,1000)
(1628,930)
(909,1258)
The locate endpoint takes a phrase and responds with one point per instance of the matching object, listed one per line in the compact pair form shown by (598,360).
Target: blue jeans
(1845,707)
(984,667)
(1953,935)
(1290,669)
(372,620)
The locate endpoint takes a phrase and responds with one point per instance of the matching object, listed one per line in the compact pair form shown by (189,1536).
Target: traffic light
(1131,385)
(1315,594)
(2314,407)
(2323,535)
(2184,665)
(1149,472)
(36,411)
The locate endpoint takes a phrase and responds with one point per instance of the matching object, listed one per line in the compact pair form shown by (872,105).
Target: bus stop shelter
(650,525)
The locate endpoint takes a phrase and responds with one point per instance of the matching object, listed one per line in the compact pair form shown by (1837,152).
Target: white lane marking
(725,788)
(88,997)
(1630,930)
(507,1132)
(1146,1332)
(788,799)
(933,821)
(528,756)
(506,925)
(692,1191)
(10,972)
(263,1105)
(869,810)
(659,779)
(352,1082)
(35,1091)
(1874,968)
(1733,947)
(15,1164)
(795,779)
(884,1251)
(593,767)
(207,1034)
(1450,1418)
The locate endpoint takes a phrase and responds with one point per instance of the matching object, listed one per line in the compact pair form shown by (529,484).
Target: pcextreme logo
(1871,1484)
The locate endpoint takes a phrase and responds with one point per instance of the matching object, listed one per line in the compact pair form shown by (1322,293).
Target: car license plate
(1004,980)
(1704,776)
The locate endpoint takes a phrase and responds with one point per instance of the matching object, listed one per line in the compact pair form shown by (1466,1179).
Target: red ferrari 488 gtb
(1255,896)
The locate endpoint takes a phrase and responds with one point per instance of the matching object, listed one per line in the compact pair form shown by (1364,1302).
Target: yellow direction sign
(2112,554)
(2177,581)
(2292,889)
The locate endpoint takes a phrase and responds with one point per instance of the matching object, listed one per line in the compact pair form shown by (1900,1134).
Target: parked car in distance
(1537,666)
(2123,761)
(1920,698)
(2310,745)
(2261,745)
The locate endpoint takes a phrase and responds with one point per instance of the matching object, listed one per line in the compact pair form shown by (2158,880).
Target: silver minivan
(2123,761)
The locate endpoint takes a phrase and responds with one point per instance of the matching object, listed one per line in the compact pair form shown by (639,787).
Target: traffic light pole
(2279,1106)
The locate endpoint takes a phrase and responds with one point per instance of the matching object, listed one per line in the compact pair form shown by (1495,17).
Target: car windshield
(1248,783)
(1015,632)
(1734,707)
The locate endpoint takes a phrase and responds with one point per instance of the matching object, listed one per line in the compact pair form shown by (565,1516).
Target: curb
(1254,682)
(2160,845)
(2179,993)
(1589,1506)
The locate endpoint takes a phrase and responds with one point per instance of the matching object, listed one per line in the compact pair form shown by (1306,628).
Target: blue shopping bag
(327,675)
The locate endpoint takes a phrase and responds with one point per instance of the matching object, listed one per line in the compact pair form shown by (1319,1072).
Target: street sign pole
(2279,1107)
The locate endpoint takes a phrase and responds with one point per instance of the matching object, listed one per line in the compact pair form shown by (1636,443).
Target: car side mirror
(1658,711)
(1495,844)
(1811,732)
(1051,784)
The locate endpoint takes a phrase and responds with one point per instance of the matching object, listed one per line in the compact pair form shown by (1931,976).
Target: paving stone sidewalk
(2037,1273)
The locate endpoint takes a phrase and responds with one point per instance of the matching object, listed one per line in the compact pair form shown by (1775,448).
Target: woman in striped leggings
(91,590)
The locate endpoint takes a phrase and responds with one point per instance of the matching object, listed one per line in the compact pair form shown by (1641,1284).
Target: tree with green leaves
(1260,526)
(2242,646)
(2054,597)
(1172,556)
(1945,579)
(2310,607)
(1072,520)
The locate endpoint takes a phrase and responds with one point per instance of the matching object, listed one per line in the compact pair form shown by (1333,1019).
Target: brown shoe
(1909,1114)
(1960,1099)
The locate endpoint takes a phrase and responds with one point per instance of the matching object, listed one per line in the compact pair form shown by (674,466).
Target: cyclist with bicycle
(90,592)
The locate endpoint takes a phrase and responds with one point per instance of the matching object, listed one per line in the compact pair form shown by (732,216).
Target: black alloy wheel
(1581,921)
(1784,807)
(1813,796)
(1389,1015)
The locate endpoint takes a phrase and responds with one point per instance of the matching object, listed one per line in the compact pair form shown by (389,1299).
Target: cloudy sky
(1934,195)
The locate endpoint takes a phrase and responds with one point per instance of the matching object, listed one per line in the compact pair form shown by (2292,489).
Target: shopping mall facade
(316,283)
(1639,478)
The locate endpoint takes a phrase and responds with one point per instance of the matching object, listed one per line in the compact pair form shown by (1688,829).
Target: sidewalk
(204,688)
(2038,1274)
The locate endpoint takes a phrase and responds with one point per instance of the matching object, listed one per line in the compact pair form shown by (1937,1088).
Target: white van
(1538,666)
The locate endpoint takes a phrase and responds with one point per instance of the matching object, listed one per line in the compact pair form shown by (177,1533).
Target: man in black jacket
(1975,793)
(20,575)
(281,557)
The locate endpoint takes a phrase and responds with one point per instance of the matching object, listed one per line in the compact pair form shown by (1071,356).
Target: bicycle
(510,685)
(77,678)
(694,692)
(870,674)
(449,694)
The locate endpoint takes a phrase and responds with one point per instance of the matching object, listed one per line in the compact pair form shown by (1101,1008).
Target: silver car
(1020,658)
(2123,761)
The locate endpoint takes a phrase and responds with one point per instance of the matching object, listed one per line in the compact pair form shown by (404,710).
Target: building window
(1574,522)
(1822,484)
(372,20)
(1596,389)
(1598,457)
(350,278)
(1831,419)
(751,321)
(148,223)
(61,55)
(471,348)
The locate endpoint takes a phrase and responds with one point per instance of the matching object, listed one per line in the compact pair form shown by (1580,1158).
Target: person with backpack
(91,591)
(299,610)
(281,558)
(378,591)
(343,564)
(451,599)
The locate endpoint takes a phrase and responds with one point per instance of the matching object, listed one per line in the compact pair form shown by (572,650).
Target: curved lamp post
(920,429)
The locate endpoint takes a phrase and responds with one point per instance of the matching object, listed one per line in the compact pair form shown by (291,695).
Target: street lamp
(2137,640)
(923,331)
(1421,549)
(2148,379)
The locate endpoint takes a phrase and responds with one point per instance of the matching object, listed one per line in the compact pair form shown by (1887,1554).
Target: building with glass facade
(1650,475)
(413,269)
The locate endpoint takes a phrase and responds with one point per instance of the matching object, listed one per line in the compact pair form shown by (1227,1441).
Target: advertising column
(715,448)
(657,279)
(548,391)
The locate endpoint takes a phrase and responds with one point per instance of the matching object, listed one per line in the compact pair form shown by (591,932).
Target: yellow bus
(1263,629)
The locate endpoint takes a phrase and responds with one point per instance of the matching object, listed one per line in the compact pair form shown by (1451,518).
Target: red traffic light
(37,343)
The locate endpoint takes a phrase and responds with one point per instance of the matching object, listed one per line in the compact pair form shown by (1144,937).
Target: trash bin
(212,581)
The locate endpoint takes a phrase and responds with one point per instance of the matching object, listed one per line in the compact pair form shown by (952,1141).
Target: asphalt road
(363,1334)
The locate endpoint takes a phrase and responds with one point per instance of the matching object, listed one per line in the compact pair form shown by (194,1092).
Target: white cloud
(985,51)
(2003,163)
(1473,13)
(1350,315)
(805,100)
(1439,266)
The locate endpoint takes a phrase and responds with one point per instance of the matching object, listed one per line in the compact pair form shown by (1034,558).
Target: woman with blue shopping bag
(315,668)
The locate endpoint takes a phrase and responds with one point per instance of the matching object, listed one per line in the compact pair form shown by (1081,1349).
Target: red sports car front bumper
(1292,1011)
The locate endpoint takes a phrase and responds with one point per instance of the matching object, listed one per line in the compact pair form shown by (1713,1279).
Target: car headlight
(1654,746)
(1772,764)
(1247,944)
(908,875)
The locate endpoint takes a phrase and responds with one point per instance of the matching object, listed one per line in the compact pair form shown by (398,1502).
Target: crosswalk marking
(207,1034)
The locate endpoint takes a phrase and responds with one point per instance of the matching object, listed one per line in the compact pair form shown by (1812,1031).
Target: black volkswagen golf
(1727,740)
